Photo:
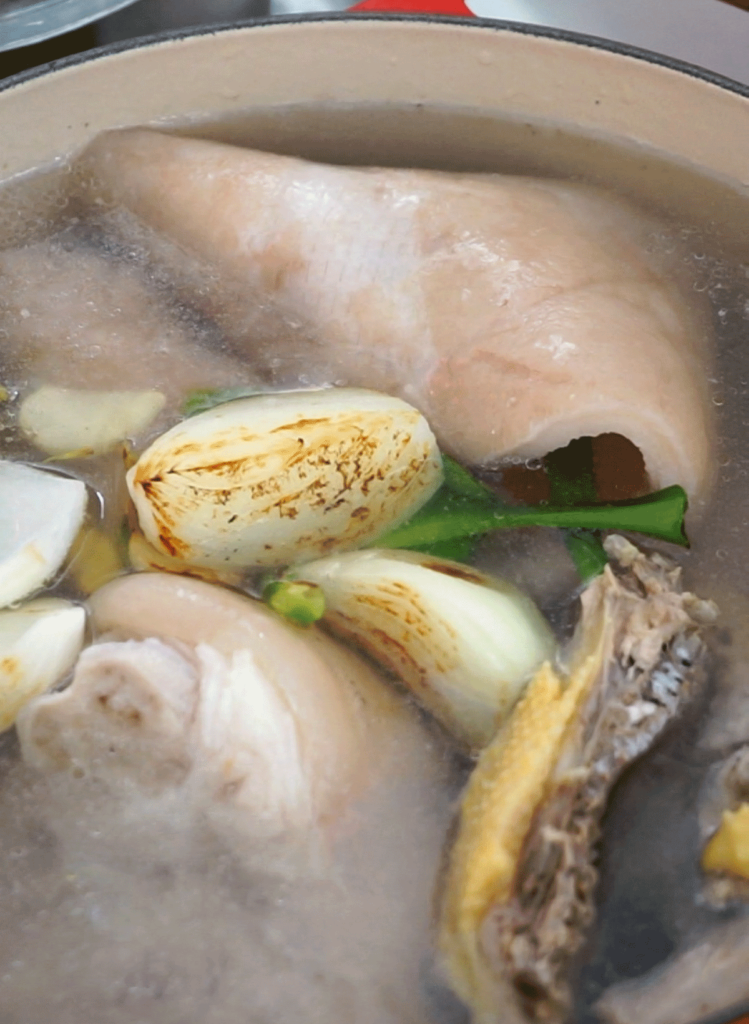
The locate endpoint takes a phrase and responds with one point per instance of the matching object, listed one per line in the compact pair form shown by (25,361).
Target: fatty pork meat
(74,317)
(517,314)
(270,730)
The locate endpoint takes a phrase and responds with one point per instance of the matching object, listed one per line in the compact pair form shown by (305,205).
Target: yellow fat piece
(511,780)
(728,850)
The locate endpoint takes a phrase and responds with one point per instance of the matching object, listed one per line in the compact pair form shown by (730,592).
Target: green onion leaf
(208,398)
(572,481)
(459,480)
(587,552)
(460,549)
(447,516)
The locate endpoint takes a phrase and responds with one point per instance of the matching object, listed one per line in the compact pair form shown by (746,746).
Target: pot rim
(479,24)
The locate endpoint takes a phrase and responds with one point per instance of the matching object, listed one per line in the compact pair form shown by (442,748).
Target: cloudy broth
(230,941)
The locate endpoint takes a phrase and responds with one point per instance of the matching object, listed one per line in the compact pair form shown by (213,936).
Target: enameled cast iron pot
(499,68)
(471,67)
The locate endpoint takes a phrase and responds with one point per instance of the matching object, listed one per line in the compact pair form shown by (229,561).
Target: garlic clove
(463,643)
(276,478)
(38,646)
(62,420)
(40,516)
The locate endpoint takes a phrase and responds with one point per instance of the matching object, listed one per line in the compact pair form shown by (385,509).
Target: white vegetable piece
(39,644)
(40,515)
(280,478)
(465,644)
(62,420)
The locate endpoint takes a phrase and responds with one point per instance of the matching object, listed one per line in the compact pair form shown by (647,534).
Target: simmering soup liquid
(125,911)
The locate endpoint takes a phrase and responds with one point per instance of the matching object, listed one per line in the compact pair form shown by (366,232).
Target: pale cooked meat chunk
(128,712)
(270,731)
(74,318)
(517,314)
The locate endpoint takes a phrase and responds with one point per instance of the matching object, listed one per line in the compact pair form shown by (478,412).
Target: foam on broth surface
(227,941)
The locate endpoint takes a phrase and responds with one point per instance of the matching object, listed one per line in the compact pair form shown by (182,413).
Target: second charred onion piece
(464,644)
(519,886)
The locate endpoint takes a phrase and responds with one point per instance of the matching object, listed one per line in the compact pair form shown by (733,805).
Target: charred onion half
(518,893)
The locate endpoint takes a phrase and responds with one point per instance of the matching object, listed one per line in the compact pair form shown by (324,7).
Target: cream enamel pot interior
(490,66)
